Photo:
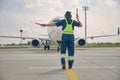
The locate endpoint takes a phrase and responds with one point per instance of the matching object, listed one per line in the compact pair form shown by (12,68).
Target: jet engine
(80,42)
(36,43)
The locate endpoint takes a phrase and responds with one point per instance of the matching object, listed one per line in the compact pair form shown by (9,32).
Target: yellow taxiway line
(71,74)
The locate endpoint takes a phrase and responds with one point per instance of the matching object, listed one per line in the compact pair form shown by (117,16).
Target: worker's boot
(63,67)
(70,67)
(70,64)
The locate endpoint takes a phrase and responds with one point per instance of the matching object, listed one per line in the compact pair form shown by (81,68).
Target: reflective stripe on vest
(68,29)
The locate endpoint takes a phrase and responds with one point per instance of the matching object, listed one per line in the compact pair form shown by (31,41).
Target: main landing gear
(47,45)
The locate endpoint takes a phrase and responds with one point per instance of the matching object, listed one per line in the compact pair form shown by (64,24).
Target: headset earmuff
(65,16)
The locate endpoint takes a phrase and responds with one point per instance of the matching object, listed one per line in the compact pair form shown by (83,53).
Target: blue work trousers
(67,42)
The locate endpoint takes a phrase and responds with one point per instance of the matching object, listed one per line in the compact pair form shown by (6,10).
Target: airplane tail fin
(118,31)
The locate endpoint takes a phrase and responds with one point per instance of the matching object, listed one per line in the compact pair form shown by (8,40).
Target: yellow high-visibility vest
(68,29)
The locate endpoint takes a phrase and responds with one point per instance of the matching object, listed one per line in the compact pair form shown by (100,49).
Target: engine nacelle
(36,43)
(80,42)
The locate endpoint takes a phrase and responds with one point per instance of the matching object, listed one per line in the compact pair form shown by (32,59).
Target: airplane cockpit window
(55,21)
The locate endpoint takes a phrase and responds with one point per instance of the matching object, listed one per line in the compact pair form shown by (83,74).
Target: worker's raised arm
(51,24)
(78,20)
(77,17)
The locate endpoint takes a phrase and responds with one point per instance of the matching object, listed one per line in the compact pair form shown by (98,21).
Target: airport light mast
(21,31)
(85,8)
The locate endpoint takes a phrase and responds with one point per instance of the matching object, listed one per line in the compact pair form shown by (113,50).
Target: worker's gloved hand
(40,24)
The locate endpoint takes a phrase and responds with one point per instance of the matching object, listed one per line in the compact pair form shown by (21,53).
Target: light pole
(21,31)
(85,8)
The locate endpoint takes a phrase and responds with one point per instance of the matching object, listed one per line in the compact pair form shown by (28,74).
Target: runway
(39,64)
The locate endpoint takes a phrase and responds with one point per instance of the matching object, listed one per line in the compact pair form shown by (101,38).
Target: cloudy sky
(103,17)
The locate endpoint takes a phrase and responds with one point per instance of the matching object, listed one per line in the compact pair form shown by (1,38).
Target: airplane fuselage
(55,32)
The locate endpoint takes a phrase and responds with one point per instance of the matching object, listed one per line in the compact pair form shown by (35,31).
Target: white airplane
(54,34)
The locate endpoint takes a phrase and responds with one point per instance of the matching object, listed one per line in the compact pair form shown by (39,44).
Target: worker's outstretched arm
(51,24)
(77,17)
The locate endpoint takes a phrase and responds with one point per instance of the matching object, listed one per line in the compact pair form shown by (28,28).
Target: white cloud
(41,3)
(33,3)
(112,3)
(57,3)
(86,2)
(76,2)
(16,21)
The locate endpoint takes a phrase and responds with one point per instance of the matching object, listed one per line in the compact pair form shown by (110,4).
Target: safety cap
(68,13)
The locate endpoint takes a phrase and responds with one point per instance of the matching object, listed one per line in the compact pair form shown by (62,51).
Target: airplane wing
(82,42)
(16,37)
(118,33)
(92,37)
(24,37)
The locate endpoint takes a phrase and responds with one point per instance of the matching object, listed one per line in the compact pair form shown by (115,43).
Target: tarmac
(39,64)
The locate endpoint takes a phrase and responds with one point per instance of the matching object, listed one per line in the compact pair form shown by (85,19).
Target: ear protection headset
(69,16)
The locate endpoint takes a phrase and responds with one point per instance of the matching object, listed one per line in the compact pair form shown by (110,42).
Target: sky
(103,17)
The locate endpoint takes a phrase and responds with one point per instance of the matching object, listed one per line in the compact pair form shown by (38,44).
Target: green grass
(2,47)
(24,46)
(89,45)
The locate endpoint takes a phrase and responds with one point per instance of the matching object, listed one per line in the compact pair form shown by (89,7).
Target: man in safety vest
(67,41)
